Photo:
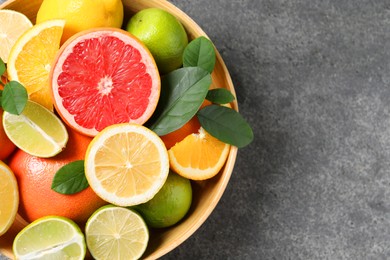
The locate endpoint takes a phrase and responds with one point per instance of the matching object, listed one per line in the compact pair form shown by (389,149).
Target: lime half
(116,233)
(37,131)
(50,238)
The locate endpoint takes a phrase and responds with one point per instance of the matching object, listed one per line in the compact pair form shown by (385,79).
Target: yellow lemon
(82,14)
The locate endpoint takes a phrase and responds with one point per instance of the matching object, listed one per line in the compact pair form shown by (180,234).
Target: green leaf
(14,97)
(182,93)
(70,178)
(200,52)
(225,124)
(2,67)
(220,96)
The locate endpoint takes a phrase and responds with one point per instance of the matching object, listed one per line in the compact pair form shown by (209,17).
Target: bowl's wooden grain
(206,193)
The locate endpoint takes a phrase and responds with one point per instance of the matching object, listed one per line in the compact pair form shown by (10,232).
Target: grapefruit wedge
(102,77)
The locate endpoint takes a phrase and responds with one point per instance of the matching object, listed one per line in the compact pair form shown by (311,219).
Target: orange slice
(126,164)
(31,57)
(13,25)
(198,156)
(10,197)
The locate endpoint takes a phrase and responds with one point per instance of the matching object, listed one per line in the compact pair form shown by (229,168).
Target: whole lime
(169,205)
(163,35)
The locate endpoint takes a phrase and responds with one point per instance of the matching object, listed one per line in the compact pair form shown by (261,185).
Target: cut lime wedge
(50,237)
(116,233)
(37,131)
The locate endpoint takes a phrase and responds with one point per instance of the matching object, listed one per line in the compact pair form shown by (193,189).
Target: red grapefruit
(104,76)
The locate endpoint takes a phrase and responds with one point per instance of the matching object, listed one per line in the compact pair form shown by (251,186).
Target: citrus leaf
(70,178)
(182,93)
(14,98)
(225,124)
(220,96)
(200,53)
(2,67)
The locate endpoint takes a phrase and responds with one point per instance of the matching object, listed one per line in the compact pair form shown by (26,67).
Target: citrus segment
(126,164)
(36,131)
(10,198)
(116,233)
(31,58)
(13,25)
(199,156)
(50,238)
(102,77)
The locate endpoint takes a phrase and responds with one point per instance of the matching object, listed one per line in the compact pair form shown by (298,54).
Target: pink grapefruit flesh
(102,77)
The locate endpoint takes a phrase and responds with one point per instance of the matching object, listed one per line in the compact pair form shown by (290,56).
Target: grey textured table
(312,78)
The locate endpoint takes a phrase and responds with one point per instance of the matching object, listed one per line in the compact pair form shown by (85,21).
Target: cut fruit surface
(9,198)
(199,156)
(125,238)
(102,77)
(50,238)
(31,58)
(126,164)
(13,25)
(37,131)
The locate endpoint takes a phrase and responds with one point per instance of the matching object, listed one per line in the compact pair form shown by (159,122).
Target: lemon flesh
(126,164)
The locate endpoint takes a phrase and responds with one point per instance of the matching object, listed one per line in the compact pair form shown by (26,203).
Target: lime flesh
(37,131)
(50,238)
(116,233)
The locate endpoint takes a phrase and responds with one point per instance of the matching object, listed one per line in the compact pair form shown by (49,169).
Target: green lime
(163,35)
(116,233)
(37,130)
(50,237)
(169,205)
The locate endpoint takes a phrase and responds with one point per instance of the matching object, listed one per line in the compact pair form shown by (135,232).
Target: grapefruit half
(104,76)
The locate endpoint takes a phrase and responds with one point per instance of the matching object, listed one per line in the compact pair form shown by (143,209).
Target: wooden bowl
(206,194)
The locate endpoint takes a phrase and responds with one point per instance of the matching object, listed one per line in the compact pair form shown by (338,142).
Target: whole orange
(6,146)
(35,176)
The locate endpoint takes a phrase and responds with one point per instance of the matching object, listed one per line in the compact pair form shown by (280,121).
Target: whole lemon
(169,205)
(82,14)
(163,35)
